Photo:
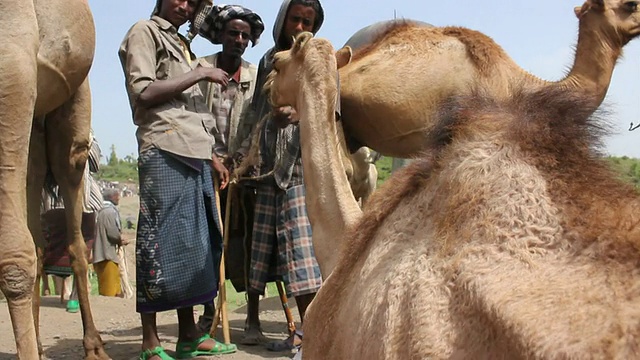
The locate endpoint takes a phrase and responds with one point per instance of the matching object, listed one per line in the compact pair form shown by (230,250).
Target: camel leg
(36,172)
(67,131)
(18,79)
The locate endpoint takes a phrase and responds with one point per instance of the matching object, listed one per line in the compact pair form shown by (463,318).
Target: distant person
(105,248)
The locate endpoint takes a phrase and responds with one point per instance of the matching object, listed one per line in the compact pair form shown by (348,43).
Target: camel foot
(94,349)
(97,354)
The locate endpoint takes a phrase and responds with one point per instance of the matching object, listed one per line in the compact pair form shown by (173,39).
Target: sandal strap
(156,351)
(190,349)
(191,346)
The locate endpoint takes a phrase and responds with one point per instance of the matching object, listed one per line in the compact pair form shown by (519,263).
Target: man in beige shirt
(179,241)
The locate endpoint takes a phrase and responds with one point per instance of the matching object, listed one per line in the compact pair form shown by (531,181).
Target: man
(233,27)
(281,224)
(179,240)
(105,248)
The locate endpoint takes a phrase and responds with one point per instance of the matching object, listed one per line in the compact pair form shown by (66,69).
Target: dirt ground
(119,324)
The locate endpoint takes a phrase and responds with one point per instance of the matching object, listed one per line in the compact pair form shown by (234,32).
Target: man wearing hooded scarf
(281,224)
(179,240)
(233,27)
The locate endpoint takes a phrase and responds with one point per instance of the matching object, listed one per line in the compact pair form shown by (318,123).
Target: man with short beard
(233,27)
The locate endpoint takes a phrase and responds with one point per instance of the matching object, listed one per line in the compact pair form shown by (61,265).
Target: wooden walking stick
(291,324)
(221,310)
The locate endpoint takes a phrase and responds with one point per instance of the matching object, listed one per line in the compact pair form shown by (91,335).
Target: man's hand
(229,164)
(223,173)
(124,242)
(284,116)
(215,75)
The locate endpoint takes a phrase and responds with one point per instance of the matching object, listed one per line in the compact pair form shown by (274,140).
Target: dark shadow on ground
(72,349)
(53,302)
(5,356)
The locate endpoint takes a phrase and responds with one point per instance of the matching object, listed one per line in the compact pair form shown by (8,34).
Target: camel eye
(632,5)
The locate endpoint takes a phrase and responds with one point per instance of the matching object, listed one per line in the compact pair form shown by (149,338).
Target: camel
(45,113)
(496,244)
(364,176)
(446,61)
(359,166)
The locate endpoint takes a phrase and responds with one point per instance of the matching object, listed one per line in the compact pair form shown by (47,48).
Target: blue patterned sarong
(179,243)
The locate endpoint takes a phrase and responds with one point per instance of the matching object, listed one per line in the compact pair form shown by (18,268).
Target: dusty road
(119,324)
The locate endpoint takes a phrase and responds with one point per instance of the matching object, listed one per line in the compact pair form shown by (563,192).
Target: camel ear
(300,41)
(597,5)
(343,56)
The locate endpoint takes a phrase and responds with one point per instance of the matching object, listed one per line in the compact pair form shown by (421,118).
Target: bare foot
(252,335)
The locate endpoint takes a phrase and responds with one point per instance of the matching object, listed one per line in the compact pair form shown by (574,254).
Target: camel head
(307,65)
(617,19)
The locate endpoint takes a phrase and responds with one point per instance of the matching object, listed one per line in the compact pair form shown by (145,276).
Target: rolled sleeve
(138,57)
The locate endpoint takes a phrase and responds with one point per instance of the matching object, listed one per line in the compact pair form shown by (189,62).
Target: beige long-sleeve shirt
(153,50)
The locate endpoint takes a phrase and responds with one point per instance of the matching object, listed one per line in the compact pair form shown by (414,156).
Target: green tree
(119,169)
(113,158)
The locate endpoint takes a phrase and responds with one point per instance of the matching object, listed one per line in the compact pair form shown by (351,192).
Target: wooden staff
(291,324)
(221,310)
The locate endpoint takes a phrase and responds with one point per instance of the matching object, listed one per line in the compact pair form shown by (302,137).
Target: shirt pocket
(169,62)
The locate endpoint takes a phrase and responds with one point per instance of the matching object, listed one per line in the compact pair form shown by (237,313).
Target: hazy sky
(538,35)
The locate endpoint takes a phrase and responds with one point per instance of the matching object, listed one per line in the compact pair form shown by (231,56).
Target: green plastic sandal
(156,351)
(190,350)
(73,306)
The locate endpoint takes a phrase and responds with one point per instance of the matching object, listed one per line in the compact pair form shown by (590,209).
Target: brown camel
(446,61)
(48,48)
(511,239)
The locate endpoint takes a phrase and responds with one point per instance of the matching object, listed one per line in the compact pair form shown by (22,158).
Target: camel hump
(369,34)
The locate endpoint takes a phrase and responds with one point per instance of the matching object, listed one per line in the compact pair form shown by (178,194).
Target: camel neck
(331,205)
(596,54)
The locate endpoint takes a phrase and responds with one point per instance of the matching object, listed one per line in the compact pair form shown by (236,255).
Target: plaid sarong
(213,24)
(57,260)
(282,226)
(179,243)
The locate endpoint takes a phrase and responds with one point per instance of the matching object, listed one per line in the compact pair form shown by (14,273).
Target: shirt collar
(164,24)
(236,76)
(239,76)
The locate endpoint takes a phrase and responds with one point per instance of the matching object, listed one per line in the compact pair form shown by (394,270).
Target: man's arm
(140,71)
(112,230)
(161,91)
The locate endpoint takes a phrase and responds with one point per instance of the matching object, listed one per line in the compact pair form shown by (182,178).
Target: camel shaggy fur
(448,61)
(511,239)
(45,111)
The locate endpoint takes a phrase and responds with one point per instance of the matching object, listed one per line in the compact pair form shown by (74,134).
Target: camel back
(369,35)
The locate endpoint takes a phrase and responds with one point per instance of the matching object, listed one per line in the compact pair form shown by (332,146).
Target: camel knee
(79,155)
(17,282)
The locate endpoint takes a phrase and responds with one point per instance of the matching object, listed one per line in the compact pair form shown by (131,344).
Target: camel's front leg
(18,74)
(68,130)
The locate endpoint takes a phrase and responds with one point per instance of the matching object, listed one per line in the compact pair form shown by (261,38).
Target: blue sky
(538,35)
